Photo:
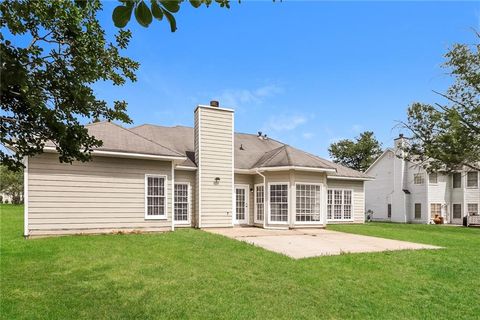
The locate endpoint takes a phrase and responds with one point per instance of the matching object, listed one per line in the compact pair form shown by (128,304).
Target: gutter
(125,154)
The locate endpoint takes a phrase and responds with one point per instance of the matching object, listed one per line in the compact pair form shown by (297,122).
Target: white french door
(241,205)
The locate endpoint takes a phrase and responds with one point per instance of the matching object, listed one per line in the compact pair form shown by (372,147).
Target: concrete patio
(306,243)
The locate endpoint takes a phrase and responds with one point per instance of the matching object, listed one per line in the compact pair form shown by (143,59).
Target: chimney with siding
(213,131)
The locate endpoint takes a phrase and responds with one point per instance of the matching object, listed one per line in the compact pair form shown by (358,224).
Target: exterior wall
(418,194)
(190,178)
(103,195)
(378,193)
(247,179)
(440,193)
(358,198)
(214,156)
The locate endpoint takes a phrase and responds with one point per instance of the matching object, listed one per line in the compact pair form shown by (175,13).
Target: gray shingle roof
(250,150)
(118,139)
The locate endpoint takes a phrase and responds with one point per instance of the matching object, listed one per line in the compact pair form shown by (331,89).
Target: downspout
(264,202)
(25,199)
(173,196)
(264,197)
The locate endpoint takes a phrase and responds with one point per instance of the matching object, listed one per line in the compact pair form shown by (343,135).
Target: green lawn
(193,274)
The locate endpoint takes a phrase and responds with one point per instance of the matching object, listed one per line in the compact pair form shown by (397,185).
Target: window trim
(255,186)
(423,178)
(165,184)
(466,180)
(453,180)
(436,179)
(472,203)
(430,209)
(189,203)
(415,210)
(270,203)
(333,199)
(462,214)
(320,213)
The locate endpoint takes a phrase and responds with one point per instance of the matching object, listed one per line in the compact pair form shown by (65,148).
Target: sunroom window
(308,203)
(279,203)
(259,202)
(155,197)
(339,204)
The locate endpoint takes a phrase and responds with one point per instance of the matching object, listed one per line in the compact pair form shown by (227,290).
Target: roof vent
(259,133)
(214,103)
(241,147)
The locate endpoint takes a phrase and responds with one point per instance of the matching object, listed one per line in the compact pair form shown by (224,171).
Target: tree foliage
(357,154)
(446,136)
(46,83)
(11,184)
(158,9)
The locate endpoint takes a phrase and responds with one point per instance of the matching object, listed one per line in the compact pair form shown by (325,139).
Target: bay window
(279,202)
(259,202)
(307,203)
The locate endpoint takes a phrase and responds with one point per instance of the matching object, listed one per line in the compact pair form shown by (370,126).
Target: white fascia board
(186,168)
(284,168)
(125,155)
(350,178)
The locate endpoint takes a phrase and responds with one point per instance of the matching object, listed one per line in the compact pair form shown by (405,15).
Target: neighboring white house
(154,178)
(405,192)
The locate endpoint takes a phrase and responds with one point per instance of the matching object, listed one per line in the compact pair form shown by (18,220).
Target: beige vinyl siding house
(154,178)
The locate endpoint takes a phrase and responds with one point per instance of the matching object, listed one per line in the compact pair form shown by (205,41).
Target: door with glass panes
(241,204)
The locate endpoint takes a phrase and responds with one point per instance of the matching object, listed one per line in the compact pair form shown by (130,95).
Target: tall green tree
(356,154)
(51,53)
(11,184)
(46,84)
(446,135)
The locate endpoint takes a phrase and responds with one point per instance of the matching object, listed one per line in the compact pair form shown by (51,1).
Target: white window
(472,209)
(472,179)
(279,203)
(435,209)
(418,211)
(457,211)
(308,203)
(418,178)
(457,180)
(433,178)
(155,200)
(181,202)
(259,202)
(339,204)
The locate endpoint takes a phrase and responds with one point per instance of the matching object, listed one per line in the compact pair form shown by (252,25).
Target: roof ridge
(274,153)
(145,138)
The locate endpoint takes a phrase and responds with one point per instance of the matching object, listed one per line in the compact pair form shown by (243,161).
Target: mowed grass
(194,274)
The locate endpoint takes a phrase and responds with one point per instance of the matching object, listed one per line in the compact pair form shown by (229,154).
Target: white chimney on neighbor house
(213,130)
(400,173)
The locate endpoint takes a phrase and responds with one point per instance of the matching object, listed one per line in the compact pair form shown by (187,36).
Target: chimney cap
(214,103)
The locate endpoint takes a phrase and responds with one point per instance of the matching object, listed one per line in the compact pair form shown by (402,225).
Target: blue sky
(306,73)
